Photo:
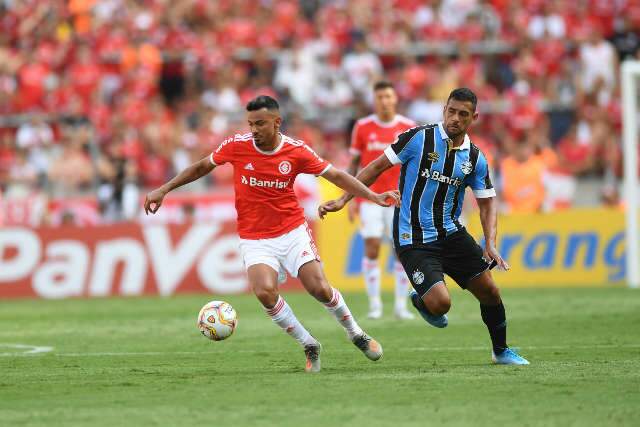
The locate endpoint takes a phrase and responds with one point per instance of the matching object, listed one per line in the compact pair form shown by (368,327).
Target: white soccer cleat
(375,312)
(312,353)
(403,314)
(370,347)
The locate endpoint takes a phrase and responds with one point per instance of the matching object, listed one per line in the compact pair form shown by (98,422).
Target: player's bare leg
(437,299)
(371,271)
(264,283)
(485,290)
(315,282)
(433,305)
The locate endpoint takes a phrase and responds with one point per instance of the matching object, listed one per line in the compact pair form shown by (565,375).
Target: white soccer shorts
(375,221)
(291,250)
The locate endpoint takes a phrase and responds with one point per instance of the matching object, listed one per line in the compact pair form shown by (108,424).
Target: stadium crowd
(114,96)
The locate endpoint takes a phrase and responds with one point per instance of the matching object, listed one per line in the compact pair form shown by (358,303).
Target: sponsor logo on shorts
(305,253)
(252,181)
(437,176)
(466,167)
(418,277)
(284,167)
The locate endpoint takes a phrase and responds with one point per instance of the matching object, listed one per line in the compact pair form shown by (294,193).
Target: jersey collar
(466,144)
(272,152)
(388,124)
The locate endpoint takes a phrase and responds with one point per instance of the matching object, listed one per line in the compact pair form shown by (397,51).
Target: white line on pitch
(39,350)
(30,349)
(472,348)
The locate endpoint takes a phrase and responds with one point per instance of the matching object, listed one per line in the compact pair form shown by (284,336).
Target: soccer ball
(217,320)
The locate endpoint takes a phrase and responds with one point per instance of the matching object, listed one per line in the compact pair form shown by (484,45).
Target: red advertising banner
(122,260)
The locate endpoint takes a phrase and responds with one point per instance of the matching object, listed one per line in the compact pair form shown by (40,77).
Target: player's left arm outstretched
(356,187)
(365,178)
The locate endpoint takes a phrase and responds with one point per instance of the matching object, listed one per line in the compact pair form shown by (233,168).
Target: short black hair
(383,84)
(263,101)
(464,94)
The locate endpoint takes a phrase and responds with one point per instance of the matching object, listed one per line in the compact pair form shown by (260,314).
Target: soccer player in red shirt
(370,137)
(271,225)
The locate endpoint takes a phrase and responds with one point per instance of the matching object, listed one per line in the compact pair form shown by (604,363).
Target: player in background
(271,224)
(438,163)
(370,137)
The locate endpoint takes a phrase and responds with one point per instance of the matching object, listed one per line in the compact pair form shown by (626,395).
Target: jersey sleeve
(309,162)
(357,146)
(404,146)
(480,179)
(222,154)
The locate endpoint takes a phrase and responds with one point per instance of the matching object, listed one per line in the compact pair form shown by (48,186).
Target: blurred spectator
(23,177)
(522,180)
(453,13)
(447,78)
(599,66)
(118,193)
(296,75)
(524,112)
(576,157)
(426,109)
(32,77)
(548,21)
(34,133)
(362,66)
(71,170)
(626,38)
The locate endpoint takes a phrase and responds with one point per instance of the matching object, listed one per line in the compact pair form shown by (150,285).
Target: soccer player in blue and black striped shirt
(438,162)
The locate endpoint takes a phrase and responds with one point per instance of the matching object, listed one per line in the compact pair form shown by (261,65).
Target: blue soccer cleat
(437,321)
(508,357)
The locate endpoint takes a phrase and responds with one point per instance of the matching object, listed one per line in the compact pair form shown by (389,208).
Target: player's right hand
(388,198)
(330,206)
(153,198)
(352,211)
(492,254)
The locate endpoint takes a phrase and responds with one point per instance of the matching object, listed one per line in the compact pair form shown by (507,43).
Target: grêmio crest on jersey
(466,167)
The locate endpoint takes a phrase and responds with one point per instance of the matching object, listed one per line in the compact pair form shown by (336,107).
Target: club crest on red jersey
(284,167)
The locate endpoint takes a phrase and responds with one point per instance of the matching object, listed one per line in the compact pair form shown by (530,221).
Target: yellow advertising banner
(582,247)
(579,247)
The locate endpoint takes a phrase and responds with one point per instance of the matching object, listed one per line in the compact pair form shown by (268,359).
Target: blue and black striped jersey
(433,178)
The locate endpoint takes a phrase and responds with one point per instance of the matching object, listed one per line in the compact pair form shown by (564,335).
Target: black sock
(493,316)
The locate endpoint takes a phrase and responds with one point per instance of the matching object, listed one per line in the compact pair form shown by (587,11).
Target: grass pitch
(134,362)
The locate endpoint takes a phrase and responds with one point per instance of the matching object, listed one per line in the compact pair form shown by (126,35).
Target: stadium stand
(105,99)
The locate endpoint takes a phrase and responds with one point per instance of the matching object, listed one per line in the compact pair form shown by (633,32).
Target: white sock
(282,314)
(402,287)
(341,312)
(371,272)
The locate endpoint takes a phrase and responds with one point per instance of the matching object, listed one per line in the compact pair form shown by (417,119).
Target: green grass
(142,362)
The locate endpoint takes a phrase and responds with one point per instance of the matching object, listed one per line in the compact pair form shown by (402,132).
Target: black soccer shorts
(457,255)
